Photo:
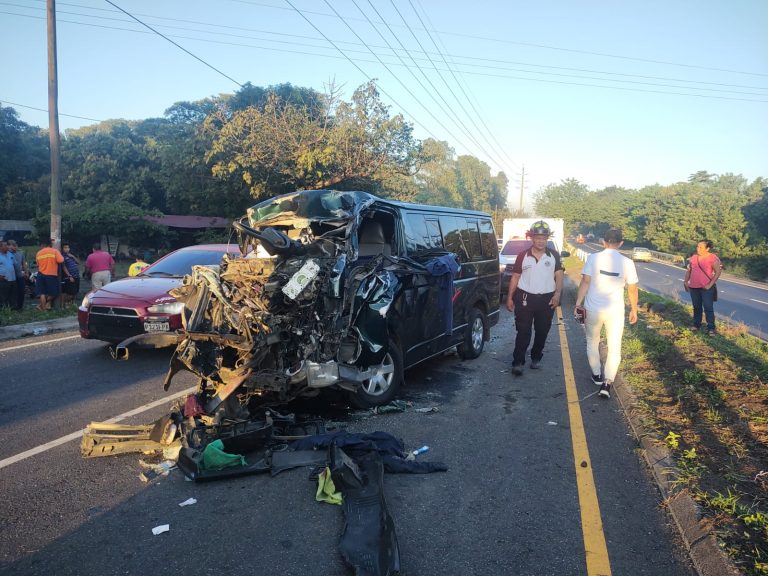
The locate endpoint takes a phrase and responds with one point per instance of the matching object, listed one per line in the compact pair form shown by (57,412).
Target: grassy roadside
(10,317)
(706,398)
(29,314)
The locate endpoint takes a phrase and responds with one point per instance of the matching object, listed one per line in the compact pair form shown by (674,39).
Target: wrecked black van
(334,288)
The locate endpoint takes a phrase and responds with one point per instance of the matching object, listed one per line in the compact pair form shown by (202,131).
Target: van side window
(471,236)
(421,233)
(488,239)
(433,229)
(452,229)
(416,237)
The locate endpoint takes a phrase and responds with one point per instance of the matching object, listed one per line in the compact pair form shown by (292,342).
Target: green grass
(711,394)
(10,317)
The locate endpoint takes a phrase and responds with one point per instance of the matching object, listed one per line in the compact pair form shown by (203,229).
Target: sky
(628,93)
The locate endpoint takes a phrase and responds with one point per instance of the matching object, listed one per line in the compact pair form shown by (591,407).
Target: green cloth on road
(214,457)
(326,490)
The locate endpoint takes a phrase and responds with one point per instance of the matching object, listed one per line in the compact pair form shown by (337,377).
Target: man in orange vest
(47,283)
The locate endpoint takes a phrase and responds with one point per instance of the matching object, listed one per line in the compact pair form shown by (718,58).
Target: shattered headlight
(86,302)
(167,308)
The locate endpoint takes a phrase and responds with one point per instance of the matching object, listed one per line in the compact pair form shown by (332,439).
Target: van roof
(334,205)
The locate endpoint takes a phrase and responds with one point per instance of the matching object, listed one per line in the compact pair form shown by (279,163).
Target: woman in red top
(703,271)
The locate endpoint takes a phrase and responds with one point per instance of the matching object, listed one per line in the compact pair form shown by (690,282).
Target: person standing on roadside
(71,271)
(7,277)
(22,272)
(136,268)
(534,293)
(100,265)
(704,268)
(601,292)
(47,283)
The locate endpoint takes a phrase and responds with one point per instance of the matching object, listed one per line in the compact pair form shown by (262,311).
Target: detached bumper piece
(369,542)
(103,439)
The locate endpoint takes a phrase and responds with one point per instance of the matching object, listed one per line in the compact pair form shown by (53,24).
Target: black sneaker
(597,379)
(711,331)
(605,390)
(535,364)
(517,370)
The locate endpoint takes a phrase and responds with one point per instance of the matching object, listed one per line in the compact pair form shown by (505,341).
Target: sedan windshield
(181,262)
(513,247)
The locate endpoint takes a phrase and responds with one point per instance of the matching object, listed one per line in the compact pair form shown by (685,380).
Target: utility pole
(522,187)
(53,128)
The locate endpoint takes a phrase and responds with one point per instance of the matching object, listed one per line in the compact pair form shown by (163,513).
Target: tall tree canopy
(286,144)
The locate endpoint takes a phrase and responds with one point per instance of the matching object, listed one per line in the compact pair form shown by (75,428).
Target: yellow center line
(591,522)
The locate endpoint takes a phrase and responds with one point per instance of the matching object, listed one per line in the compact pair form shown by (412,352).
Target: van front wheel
(384,385)
(474,336)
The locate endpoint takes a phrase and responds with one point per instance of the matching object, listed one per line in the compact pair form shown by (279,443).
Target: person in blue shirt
(7,277)
(22,272)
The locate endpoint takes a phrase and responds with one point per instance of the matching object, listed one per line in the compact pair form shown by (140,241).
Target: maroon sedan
(141,304)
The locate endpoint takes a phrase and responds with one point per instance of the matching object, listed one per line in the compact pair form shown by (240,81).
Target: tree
(24,159)
(437,178)
(567,200)
(285,147)
(474,178)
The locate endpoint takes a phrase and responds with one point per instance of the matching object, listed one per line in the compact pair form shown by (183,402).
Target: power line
(46,111)
(300,13)
(443,78)
(472,61)
(179,46)
(459,84)
(455,118)
(549,47)
(475,73)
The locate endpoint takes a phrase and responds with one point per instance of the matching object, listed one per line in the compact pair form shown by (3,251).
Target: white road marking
(64,439)
(20,346)
(760,301)
(651,270)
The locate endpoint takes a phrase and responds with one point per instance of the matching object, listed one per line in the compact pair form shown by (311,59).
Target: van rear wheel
(384,385)
(474,336)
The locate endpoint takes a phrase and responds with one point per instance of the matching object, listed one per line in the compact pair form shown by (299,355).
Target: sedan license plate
(157,327)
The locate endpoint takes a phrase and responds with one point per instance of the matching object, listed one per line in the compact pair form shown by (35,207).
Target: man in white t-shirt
(602,293)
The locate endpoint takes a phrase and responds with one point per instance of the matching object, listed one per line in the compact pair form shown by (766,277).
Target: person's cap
(613,235)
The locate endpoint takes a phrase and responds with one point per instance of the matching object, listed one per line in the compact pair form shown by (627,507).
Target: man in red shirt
(100,265)
(703,270)
(47,283)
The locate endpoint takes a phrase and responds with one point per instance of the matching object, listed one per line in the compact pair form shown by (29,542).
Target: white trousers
(99,279)
(613,320)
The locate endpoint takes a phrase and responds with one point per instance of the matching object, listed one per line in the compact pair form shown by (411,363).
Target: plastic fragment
(160,529)
(188,502)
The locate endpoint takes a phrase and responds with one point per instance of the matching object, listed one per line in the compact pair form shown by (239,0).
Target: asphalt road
(509,503)
(739,301)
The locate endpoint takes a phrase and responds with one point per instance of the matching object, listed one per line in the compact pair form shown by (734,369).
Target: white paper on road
(160,529)
(188,502)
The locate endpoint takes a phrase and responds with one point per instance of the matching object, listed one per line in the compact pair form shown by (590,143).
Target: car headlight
(86,302)
(167,308)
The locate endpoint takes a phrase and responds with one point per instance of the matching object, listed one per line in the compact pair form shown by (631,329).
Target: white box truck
(517,228)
